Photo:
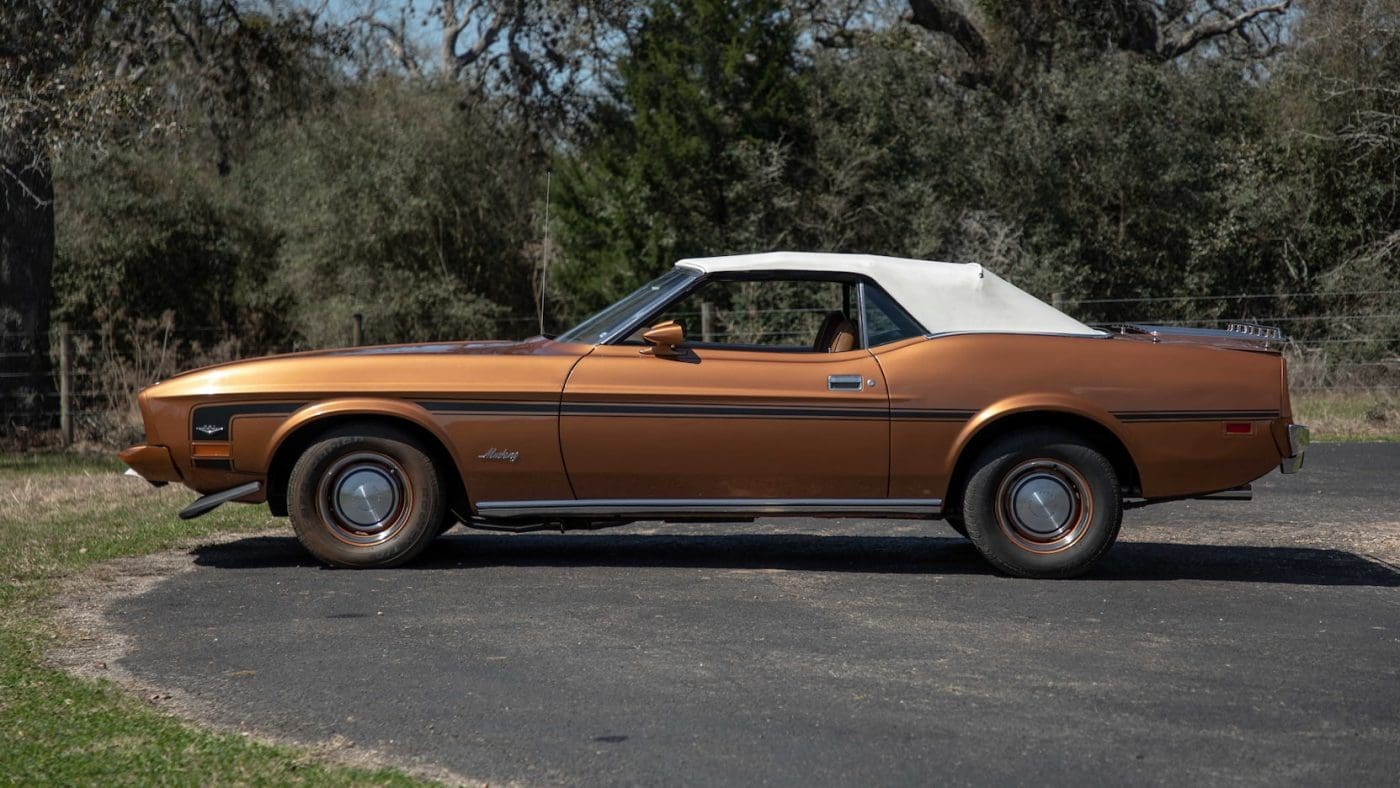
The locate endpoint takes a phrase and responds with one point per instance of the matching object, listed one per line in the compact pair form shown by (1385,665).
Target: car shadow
(1140,561)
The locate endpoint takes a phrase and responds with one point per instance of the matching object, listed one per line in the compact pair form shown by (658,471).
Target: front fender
(357,406)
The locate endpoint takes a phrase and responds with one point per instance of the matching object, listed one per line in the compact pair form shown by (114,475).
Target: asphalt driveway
(1220,642)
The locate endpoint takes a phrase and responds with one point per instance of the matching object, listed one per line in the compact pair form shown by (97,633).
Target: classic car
(731,388)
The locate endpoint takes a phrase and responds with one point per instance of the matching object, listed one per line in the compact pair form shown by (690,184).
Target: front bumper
(1298,440)
(151,463)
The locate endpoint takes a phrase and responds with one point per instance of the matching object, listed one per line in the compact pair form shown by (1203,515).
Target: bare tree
(1161,29)
(538,56)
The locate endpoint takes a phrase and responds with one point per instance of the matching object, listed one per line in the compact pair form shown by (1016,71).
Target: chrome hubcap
(1044,505)
(366,496)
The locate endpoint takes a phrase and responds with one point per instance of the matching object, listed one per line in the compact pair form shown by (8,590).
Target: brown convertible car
(730,388)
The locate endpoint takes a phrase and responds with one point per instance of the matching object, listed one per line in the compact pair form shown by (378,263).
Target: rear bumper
(1298,440)
(152,463)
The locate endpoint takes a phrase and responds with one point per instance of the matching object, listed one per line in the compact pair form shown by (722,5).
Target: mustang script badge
(209,429)
(499,455)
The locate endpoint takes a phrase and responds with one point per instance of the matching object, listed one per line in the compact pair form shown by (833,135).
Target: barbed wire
(1243,296)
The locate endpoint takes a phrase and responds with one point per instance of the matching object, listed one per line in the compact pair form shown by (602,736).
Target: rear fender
(1026,404)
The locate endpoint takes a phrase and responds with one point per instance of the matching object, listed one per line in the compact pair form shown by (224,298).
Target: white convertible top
(944,297)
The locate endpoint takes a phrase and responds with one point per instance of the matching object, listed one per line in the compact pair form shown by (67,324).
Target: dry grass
(31,492)
(1350,414)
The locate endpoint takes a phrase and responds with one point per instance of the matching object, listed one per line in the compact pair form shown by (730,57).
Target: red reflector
(1239,428)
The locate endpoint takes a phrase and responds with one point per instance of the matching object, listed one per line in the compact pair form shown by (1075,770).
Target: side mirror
(663,338)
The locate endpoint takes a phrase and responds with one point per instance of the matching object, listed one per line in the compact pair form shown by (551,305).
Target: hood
(392,370)
(486,347)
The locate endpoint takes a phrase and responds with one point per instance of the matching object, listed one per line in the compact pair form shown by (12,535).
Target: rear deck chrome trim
(714,507)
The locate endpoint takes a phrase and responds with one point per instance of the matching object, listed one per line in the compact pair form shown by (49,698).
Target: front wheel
(366,496)
(1042,503)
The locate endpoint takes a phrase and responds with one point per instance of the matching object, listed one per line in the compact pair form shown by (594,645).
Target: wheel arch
(310,424)
(993,423)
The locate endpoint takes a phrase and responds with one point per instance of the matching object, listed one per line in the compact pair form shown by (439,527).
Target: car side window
(885,320)
(785,315)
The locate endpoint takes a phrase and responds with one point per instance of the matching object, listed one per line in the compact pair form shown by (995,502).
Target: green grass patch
(57,516)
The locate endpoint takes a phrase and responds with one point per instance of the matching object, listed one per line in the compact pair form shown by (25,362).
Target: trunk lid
(1236,336)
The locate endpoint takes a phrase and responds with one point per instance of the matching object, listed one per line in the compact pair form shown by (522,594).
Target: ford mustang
(731,388)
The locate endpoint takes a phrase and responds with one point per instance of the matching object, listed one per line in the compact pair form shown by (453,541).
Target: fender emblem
(499,455)
(209,429)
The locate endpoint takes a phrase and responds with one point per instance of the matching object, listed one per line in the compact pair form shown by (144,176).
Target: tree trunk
(26,292)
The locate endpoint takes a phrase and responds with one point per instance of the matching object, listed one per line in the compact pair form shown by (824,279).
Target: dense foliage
(1080,149)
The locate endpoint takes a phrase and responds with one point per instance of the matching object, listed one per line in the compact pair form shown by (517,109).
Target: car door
(748,409)
(715,423)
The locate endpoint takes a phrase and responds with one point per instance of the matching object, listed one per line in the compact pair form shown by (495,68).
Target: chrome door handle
(843,382)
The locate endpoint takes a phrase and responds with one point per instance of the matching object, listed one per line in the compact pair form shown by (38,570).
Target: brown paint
(713,422)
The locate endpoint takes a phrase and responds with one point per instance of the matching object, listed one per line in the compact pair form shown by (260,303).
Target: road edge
(88,645)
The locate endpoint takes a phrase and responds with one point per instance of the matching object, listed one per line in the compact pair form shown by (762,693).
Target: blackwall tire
(1042,503)
(365,497)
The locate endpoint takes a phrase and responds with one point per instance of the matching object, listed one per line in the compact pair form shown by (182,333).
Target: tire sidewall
(989,534)
(422,520)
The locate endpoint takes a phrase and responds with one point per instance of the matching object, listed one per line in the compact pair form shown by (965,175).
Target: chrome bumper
(1298,440)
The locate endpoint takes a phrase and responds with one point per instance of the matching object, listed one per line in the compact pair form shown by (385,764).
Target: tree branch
(454,25)
(939,16)
(397,40)
(1204,31)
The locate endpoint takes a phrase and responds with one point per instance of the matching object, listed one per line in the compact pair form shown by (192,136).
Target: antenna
(544,263)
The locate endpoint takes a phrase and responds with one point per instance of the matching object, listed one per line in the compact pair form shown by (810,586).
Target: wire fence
(86,388)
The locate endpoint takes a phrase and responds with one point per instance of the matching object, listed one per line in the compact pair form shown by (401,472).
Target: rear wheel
(366,496)
(1042,503)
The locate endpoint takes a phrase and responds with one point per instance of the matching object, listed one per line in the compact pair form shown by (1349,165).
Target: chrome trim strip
(994,331)
(860,309)
(717,507)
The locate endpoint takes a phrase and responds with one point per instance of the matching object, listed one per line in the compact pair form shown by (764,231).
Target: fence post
(707,321)
(65,384)
(1057,300)
(357,330)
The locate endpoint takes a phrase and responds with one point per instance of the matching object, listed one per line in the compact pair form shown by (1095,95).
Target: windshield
(617,317)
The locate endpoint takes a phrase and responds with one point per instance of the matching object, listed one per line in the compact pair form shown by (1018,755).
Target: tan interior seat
(837,334)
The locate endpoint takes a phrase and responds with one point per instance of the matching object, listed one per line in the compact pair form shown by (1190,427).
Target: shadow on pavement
(1141,561)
